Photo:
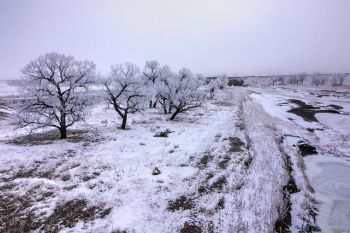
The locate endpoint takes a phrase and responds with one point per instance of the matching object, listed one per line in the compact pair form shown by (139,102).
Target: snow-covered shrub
(125,90)
(222,81)
(236,82)
(318,79)
(53,85)
(297,79)
(338,79)
(277,80)
(213,85)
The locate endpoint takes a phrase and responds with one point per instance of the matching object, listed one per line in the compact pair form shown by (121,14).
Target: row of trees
(128,88)
(317,79)
(56,89)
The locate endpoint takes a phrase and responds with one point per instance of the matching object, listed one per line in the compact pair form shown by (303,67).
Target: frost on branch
(338,79)
(151,74)
(54,85)
(124,90)
(213,85)
(180,92)
(318,79)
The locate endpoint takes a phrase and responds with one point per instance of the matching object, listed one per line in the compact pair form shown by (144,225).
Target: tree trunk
(174,115)
(124,122)
(63,126)
(164,108)
(155,104)
(63,132)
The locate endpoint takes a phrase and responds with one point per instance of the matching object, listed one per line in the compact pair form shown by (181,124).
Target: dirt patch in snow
(224,162)
(203,162)
(190,228)
(163,134)
(219,184)
(307,112)
(49,137)
(18,212)
(181,203)
(306,149)
(235,144)
(69,213)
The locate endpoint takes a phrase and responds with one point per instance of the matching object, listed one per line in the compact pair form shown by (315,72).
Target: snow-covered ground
(330,178)
(225,167)
(329,170)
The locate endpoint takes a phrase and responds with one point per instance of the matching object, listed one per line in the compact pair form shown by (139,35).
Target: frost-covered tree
(222,81)
(213,85)
(277,80)
(318,79)
(151,74)
(297,79)
(201,78)
(181,92)
(163,89)
(301,78)
(124,90)
(53,85)
(338,79)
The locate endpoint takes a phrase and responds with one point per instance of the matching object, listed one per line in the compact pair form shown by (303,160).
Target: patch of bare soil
(203,162)
(181,203)
(218,185)
(163,134)
(21,207)
(69,213)
(51,136)
(224,162)
(305,149)
(17,214)
(307,112)
(189,227)
(235,144)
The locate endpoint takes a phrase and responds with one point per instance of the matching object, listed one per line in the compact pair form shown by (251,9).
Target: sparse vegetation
(181,203)
(219,183)
(235,82)
(190,228)
(235,144)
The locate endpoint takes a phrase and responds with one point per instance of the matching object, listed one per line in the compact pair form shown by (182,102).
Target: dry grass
(181,203)
(235,144)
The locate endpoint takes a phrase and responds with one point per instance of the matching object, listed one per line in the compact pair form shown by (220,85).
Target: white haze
(237,37)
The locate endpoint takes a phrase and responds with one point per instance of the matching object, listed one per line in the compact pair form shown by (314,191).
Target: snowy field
(241,163)
(329,171)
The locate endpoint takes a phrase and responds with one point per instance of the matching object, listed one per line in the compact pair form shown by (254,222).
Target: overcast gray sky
(245,37)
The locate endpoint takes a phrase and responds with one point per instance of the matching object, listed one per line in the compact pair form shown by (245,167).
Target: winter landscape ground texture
(251,159)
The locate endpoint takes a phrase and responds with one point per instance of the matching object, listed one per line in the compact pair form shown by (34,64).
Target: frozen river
(330,178)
